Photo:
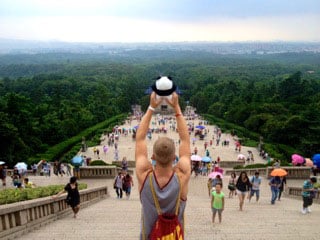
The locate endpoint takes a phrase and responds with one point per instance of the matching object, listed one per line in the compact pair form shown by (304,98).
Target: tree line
(45,100)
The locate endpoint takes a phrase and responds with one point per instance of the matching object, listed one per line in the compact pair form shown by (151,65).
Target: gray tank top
(167,197)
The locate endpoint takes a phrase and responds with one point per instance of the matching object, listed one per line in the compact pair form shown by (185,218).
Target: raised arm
(184,165)
(143,164)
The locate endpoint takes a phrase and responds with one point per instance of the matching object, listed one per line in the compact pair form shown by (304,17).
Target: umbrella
(206,159)
(278,172)
(200,127)
(241,157)
(215,174)
(196,158)
(316,160)
(105,149)
(21,166)
(309,162)
(77,161)
(297,159)
(1,162)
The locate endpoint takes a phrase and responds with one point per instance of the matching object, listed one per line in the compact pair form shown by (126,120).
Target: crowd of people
(246,187)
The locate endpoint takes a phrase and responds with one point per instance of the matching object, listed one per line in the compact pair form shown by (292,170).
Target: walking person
(308,193)
(243,185)
(232,185)
(255,188)
(118,184)
(282,186)
(127,184)
(164,189)
(274,185)
(124,164)
(3,175)
(16,178)
(73,196)
(217,202)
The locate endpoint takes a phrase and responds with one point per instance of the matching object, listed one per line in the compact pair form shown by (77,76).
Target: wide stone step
(114,218)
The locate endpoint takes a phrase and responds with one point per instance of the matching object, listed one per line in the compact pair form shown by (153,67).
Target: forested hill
(46,98)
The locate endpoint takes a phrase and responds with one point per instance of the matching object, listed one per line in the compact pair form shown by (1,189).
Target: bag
(68,200)
(167,226)
(313,194)
(231,187)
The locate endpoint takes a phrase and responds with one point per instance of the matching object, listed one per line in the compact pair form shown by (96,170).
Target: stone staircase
(114,218)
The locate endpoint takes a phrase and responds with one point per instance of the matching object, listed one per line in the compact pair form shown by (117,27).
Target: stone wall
(100,172)
(293,172)
(131,163)
(19,218)
(296,192)
(250,172)
(231,164)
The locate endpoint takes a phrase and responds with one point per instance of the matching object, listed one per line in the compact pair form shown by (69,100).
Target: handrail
(18,218)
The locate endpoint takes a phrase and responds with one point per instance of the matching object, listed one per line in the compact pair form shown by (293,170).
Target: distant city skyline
(160,20)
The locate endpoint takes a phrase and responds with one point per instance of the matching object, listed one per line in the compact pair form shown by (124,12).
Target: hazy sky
(160,20)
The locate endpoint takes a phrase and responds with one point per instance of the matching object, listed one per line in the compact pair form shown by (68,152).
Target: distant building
(136,109)
(164,109)
(190,111)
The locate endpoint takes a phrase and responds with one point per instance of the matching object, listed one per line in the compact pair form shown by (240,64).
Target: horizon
(145,21)
(163,42)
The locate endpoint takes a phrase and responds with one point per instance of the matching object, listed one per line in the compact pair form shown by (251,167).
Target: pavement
(113,218)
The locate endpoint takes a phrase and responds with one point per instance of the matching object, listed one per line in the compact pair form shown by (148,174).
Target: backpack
(167,226)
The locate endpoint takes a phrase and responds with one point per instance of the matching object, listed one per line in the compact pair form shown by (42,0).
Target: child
(28,184)
(217,202)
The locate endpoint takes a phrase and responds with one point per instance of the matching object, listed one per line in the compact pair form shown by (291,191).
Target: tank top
(167,197)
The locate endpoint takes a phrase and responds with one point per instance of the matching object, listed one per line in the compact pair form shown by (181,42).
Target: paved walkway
(112,218)
(126,145)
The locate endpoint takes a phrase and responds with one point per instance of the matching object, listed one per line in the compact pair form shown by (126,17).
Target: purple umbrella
(200,127)
(105,149)
(297,159)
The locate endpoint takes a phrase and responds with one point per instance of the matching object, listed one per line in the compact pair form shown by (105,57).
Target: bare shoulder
(183,176)
(143,167)
(184,165)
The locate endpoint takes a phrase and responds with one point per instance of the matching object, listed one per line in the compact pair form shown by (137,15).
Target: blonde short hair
(164,151)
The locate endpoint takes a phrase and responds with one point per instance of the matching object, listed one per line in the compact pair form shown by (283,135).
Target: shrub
(251,139)
(256,165)
(72,145)
(250,166)
(98,163)
(249,142)
(8,196)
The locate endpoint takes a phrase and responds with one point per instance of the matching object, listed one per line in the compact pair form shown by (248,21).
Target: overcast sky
(160,20)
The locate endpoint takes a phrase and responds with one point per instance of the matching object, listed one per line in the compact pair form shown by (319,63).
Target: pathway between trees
(112,218)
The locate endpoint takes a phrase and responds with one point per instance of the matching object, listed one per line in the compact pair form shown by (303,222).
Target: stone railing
(296,192)
(131,164)
(19,218)
(250,172)
(293,172)
(100,172)
(231,164)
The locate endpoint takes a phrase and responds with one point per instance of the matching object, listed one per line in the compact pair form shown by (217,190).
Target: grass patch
(8,196)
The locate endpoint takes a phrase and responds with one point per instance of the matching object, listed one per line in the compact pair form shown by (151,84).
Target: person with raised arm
(165,186)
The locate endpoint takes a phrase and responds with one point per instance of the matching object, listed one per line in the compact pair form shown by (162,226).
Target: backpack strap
(155,199)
